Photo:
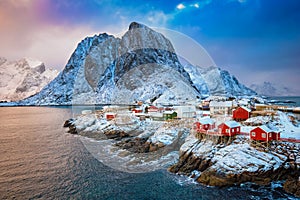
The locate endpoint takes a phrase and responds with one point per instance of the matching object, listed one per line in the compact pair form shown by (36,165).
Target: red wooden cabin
(137,110)
(241,113)
(263,133)
(110,116)
(153,109)
(204,124)
(229,128)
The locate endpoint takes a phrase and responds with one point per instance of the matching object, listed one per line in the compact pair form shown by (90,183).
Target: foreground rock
(292,185)
(128,144)
(224,164)
(129,132)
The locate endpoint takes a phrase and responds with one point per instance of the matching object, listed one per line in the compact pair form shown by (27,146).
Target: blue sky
(256,40)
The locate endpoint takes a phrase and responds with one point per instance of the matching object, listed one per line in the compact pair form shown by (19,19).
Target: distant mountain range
(272,89)
(23,78)
(141,65)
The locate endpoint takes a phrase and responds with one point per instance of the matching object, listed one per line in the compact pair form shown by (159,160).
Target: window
(253,134)
(238,129)
(263,135)
(270,134)
(227,130)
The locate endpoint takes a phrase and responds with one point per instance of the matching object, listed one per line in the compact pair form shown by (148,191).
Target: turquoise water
(38,160)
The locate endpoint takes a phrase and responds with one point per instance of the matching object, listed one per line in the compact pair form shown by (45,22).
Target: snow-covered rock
(23,78)
(235,162)
(136,146)
(286,128)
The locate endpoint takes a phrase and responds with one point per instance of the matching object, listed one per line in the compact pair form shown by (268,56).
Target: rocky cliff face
(142,65)
(60,91)
(23,78)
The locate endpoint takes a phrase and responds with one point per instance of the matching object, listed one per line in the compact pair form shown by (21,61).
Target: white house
(221,107)
(185,111)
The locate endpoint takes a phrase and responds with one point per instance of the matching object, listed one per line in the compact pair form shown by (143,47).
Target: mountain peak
(23,78)
(134,25)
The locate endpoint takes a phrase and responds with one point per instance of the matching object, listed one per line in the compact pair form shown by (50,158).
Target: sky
(256,40)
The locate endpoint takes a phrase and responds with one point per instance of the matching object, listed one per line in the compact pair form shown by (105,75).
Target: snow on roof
(220,104)
(169,112)
(206,120)
(155,114)
(266,129)
(260,104)
(185,108)
(232,124)
(153,107)
(245,108)
(110,113)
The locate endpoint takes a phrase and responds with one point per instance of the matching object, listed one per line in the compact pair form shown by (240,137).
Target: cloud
(196,5)
(239,1)
(158,18)
(25,34)
(180,6)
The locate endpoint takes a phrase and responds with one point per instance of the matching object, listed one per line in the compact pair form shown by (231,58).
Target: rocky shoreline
(210,161)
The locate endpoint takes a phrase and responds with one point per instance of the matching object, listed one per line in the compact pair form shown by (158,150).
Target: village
(217,141)
(216,118)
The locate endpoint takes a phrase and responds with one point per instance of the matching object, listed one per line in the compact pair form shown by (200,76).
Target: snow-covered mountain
(271,89)
(215,81)
(141,65)
(23,78)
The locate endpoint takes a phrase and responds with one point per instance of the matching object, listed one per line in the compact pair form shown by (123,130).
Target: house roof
(243,101)
(156,115)
(220,104)
(185,108)
(232,124)
(153,107)
(245,108)
(266,129)
(206,120)
(169,112)
(110,113)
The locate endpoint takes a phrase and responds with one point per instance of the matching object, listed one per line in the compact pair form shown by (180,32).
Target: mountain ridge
(271,89)
(96,71)
(23,78)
